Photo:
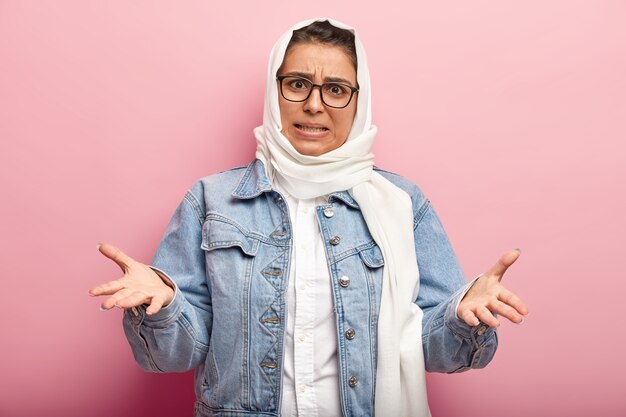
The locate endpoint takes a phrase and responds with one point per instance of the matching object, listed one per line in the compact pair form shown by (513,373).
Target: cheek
(286,112)
(346,120)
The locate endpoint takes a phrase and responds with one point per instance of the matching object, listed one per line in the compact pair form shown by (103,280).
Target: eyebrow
(326,79)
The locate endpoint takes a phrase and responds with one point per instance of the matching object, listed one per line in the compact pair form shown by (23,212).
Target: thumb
(116,255)
(505,261)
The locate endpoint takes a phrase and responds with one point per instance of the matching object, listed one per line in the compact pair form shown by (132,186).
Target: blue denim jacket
(228,247)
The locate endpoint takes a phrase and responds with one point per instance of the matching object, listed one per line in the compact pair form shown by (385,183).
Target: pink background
(509,115)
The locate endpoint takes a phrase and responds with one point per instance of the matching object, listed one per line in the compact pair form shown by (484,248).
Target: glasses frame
(353,90)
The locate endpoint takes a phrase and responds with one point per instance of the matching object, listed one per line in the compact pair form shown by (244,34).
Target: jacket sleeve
(176,338)
(450,345)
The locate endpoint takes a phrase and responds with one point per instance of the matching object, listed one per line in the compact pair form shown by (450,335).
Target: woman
(309,283)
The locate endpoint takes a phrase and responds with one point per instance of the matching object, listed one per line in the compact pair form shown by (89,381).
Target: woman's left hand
(487,295)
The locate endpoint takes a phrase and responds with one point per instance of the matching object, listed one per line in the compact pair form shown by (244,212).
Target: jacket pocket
(371,255)
(219,232)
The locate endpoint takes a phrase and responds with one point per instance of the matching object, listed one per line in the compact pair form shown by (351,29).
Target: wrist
(171,287)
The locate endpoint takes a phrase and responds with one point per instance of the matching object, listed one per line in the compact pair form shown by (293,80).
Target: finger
(469,317)
(504,263)
(486,317)
(108,288)
(513,300)
(155,304)
(116,255)
(506,310)
(132,299)
(113,300)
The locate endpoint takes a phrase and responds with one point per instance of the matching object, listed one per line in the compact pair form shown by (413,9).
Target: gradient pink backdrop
(509,115)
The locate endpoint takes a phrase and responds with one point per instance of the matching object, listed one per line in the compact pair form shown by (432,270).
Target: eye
(298,84)
(337,90)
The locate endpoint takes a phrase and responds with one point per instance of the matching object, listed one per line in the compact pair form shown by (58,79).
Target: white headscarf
(387,210)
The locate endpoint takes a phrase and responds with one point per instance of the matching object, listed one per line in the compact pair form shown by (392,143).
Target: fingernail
(519,250)
(117,306)
(521,321)
(98,246)
(102,309)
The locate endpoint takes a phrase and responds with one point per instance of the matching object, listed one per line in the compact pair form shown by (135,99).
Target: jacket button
(350,333)
(328,212)
(353,381)
(481,330)
(344,281)
(335,240)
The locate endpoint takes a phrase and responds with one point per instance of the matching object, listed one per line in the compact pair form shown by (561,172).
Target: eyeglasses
(297,89)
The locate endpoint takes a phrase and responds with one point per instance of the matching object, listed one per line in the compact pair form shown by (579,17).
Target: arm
(450,345)
(174,338)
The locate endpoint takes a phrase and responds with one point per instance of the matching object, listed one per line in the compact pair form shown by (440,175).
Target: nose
(314,103)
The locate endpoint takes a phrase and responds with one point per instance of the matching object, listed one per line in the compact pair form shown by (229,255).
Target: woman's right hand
(139,285)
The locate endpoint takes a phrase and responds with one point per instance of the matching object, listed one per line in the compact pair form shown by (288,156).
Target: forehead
(320,61)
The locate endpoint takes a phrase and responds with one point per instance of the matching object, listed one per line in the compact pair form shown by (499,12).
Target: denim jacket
(227,249)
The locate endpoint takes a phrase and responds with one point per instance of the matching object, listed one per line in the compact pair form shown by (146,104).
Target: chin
(310,151)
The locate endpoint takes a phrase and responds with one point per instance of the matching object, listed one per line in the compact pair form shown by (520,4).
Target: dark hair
(325,33)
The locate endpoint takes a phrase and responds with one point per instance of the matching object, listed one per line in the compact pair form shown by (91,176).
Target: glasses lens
(295,88)
(336,95)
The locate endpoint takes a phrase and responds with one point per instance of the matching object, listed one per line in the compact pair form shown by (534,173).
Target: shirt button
(302,388)
(481,330)
(301,337)
(353,381)
(335,240)
(329,212)
(344,281)
(350,333)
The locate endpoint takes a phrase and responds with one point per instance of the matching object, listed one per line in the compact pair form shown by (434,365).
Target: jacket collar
(254,182)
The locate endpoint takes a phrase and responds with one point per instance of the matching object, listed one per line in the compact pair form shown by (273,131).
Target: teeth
(312,129)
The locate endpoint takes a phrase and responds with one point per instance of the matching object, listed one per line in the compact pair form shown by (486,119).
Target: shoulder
(223,179)
(419,200)
(219,186)
(402,182)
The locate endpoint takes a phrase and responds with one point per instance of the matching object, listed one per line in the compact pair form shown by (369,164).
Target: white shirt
(311,370)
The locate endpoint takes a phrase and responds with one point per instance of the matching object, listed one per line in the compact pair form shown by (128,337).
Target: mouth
(311,129)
